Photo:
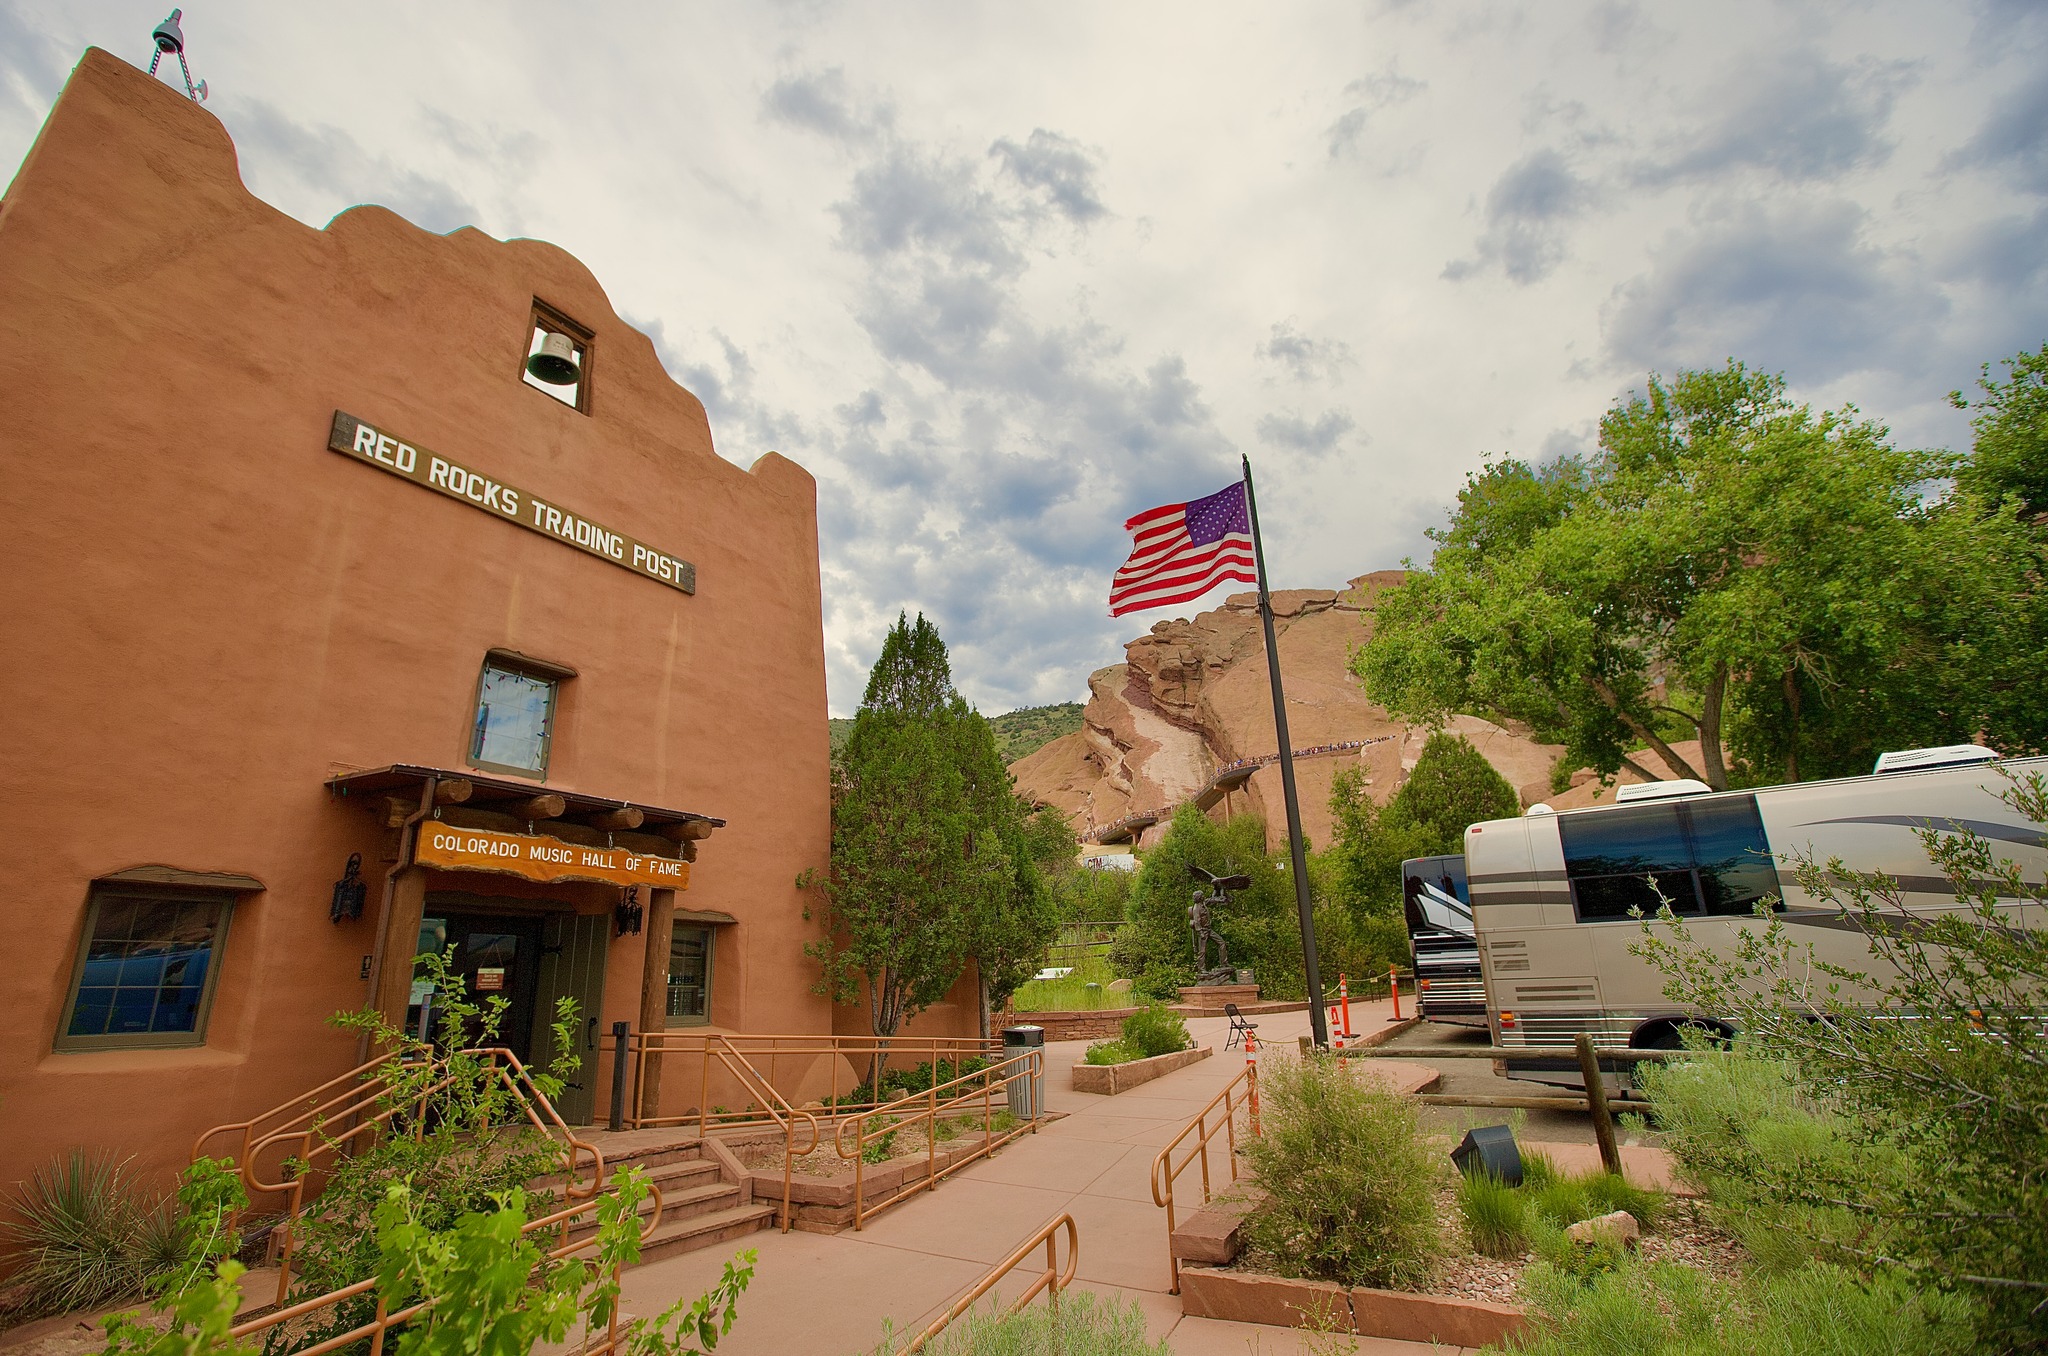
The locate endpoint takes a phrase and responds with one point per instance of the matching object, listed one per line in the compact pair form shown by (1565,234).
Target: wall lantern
(628,914)
(348,891)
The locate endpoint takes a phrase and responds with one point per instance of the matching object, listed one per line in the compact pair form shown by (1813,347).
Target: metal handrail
(737,1065)
(1052,1279)
(385,1321)
(306,1130)
(930,1107)
(759,1048)
(1165,1172)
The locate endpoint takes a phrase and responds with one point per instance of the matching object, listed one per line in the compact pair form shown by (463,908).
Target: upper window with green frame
(515,719)
(146,968)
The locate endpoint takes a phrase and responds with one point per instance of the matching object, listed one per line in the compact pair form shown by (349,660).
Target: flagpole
(1318,1025)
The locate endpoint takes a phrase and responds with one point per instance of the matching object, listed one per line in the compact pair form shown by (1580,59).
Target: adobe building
(336,635)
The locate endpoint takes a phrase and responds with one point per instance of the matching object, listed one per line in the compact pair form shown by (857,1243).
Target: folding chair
(1239,1027)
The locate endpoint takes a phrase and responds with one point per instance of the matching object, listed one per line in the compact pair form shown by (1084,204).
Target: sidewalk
(830,1295)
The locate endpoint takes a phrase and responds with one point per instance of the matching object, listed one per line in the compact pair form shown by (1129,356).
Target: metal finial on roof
(170,38)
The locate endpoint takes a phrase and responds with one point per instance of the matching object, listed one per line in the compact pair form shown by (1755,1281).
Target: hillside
(1019,733)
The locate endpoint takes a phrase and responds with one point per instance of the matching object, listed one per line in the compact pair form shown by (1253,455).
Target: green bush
(1349,1179)
(1156,1030)
(1114,1051)
(1082,1324)
(1662,1309)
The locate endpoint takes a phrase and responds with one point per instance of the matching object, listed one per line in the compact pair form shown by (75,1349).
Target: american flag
(1181,551)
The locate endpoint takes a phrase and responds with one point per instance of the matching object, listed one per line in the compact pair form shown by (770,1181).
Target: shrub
(1496,1217)
(1110,1052)
(85,1239)
(1662,1309)
(1349,1179)
(1916,1142)
(1156,1030)
(1082,1324)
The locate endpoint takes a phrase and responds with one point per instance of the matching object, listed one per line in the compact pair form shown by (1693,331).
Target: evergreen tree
(1010,915)
(901,830)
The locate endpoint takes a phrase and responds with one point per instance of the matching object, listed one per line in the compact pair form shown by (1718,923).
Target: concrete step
(672,1177)
(682,1203)
(706,1231)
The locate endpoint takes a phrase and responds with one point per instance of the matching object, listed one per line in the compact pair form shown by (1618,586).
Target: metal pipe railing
(1048,1282)
(1240,1093)
(981,1087)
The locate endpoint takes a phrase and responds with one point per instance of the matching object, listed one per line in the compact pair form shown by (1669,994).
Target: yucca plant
(78,1235)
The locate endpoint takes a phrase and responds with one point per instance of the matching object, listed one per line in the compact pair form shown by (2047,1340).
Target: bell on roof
(555,361)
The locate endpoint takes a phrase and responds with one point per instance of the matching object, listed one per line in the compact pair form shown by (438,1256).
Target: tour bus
(1552,894)
(1448,984)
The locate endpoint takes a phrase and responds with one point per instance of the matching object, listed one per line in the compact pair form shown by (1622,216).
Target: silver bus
(1553,895)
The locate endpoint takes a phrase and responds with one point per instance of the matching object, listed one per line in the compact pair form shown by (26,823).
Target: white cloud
(999,280)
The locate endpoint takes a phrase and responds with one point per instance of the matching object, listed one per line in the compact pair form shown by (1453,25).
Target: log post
(658,929)
(401,944)
(1596,1102)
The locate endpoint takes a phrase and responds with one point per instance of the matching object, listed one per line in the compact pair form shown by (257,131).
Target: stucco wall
(209,613)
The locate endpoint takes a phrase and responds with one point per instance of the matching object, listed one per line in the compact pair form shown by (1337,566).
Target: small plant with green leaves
(1112,1051)
(883,1146)
(1156,1030)
(1496,1216)
(1349,1179)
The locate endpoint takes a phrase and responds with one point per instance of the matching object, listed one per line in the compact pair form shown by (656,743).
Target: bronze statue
(1200,918)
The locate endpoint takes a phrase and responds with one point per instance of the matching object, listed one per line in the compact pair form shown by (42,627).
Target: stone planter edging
(1248,1297)
(1111,1079)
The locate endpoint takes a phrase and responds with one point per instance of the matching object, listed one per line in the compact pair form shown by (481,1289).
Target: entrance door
(572,966)
(497,956)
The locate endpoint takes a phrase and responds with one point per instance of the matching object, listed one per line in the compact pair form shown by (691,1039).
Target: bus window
(1732,855)
(1703,857)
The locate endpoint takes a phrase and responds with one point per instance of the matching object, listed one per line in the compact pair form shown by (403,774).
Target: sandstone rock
(1119,986)
(1616,1230)
(1192,696)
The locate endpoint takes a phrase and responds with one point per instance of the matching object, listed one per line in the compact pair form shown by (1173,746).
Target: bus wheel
(1671,1036)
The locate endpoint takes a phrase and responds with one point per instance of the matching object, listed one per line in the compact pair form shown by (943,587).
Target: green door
(572,957)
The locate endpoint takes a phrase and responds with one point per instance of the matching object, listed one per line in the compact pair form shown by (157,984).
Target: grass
(1504,1221)
(1083,1324)
(1071,993)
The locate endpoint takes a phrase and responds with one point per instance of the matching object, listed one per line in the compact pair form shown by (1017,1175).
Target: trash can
(1027,1095)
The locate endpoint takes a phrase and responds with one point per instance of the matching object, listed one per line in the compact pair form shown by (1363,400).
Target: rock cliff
(1192,697)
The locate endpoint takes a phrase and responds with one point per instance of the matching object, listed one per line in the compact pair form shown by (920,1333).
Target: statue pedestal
(1210,998)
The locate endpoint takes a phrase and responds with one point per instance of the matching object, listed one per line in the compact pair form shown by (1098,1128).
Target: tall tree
(901,833)
(1011,917)
(2010,454)
(1730,566)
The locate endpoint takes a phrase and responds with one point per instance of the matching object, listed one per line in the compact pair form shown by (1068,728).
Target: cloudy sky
(1002,275)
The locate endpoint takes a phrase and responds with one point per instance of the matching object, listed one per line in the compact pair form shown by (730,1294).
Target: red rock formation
(1193,696)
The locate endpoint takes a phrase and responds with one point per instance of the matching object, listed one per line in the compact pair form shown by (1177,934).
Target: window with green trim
(515,717)
(146,968)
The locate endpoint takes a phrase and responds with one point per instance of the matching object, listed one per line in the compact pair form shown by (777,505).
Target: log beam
(625,817)
(546,805)
(395,810)
(689,831)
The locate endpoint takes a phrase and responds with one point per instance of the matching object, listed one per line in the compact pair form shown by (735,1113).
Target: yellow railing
(1048,1282)
(386,1320)
(320,1125)
(781,1062)
(774,1103)
(1217,1118)
(974,1089)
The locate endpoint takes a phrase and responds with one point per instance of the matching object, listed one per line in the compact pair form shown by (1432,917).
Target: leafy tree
(2010,457)
(1155,948)
(1011,915)
(1451,787)
(932,850)
(900,836)
(1729,566)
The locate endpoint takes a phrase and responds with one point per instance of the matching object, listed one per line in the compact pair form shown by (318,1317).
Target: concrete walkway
(830,1295)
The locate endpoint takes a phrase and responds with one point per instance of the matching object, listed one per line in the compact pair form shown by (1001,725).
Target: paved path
(830,1295)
